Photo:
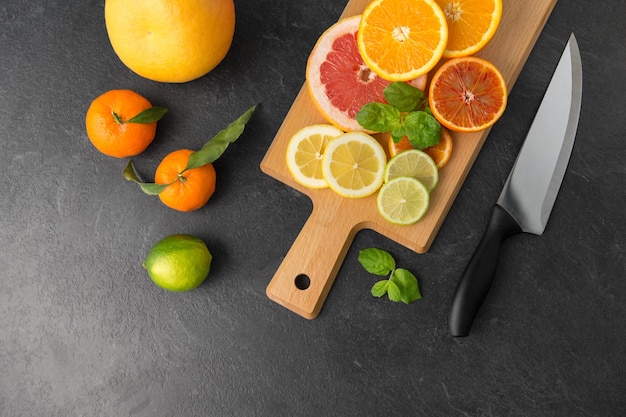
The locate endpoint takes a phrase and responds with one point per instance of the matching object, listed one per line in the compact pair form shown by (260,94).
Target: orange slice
(338,80)
(440,152)
(471,24)
(467,94)
(400,40)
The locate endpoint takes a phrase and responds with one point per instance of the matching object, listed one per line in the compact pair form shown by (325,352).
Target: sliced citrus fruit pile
(354,165)
(403,200)
(467,94)
(471,25)
(440,152)
(352,64)
(339,81)
(400,40)
(305,151)
(413,163)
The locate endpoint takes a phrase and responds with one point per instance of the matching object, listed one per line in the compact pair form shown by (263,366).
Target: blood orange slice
(338,80)
(467,94)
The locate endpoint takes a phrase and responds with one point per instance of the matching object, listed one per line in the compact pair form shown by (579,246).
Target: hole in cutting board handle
(302,282)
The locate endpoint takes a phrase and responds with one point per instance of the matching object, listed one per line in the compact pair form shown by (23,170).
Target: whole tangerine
(110,126)
(187,190)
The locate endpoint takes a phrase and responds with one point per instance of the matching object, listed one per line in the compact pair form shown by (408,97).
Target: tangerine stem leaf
(216,146)
(151,115)
(146,187)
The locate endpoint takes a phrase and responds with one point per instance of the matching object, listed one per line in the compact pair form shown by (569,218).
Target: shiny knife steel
(531,189)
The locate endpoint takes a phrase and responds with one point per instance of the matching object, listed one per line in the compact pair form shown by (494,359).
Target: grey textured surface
(83,331)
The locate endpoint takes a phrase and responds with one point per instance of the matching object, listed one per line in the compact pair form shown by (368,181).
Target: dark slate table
(83,331)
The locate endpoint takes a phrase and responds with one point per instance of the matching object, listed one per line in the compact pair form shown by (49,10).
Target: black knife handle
(479,272)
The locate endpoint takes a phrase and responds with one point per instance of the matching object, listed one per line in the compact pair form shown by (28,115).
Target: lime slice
(354,164)
(416,164)
(305,151)
(403,200)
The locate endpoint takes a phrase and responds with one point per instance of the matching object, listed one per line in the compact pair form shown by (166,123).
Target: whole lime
(178,262)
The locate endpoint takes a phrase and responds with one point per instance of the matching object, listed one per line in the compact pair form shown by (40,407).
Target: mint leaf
(407,285)
(422,129)
(380,288)
(397,134)
(404,97)
(216,146)
(146,187)
(378,117)
(377,261)
(393,292)
(401,285)
(151,115)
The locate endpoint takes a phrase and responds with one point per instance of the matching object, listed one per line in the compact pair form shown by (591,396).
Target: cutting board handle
(305,276)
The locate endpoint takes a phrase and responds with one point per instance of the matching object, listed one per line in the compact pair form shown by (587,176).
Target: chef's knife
(529,193)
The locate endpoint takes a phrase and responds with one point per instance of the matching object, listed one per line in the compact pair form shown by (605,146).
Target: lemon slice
(305,151)
(354,165)
(403,200)
(413,163)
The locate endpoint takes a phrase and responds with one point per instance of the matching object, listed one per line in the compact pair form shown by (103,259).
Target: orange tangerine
(188,189)
(110,126)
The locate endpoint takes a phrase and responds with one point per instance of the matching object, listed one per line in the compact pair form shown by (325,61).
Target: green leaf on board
(404,97)
(422,129)
(378,117)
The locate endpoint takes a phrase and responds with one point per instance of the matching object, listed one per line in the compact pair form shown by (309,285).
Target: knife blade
(530,191)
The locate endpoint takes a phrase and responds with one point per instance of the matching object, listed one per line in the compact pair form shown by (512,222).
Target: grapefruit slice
(338,80)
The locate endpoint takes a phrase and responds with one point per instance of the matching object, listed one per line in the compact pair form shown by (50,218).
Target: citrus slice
(467,94)
(471,24)
(338,80)
(305,151)
(413,163)
(354,164)
(440,152)
(400,40)
(403,200)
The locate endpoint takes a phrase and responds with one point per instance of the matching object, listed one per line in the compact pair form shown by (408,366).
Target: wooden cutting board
(308,270)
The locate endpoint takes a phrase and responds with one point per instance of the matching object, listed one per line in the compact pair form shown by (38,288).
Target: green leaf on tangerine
(216,146)
(151,115)
(146,187)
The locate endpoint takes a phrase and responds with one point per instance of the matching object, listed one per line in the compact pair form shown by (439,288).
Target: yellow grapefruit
(170,40)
